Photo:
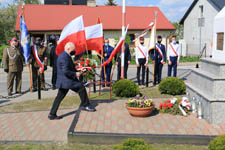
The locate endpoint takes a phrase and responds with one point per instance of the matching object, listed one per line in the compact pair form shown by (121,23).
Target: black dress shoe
(34,89)
(53,87)
(9,94)
(18,92)
(44,89)
(88,108)
(54,117)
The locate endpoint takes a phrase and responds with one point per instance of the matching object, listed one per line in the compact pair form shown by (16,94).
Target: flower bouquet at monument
(87,67)
(176,107)
(140,106)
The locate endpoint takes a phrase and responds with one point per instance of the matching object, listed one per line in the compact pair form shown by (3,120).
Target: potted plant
(140,106)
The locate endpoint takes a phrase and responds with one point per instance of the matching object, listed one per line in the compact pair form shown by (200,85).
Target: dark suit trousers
(62,93)
(119,70)
(54,75)
(108,69)
(158,72)
(173,65)
(142,62)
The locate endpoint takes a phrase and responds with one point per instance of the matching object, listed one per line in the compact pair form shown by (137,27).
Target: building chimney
(91,3)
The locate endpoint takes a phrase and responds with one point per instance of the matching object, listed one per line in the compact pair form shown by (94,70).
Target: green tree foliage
(179,32)
(28,1)
(111,3)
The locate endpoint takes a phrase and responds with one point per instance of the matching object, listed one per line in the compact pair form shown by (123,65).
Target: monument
(207,84)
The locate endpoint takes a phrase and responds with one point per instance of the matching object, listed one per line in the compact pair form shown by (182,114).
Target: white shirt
(170,51)
(139,54)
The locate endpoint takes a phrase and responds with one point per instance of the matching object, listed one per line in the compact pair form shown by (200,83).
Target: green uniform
(42,53)
(13,62)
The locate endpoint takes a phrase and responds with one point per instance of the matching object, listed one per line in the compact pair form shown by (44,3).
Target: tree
(111,3)
(28,1)
(179,32)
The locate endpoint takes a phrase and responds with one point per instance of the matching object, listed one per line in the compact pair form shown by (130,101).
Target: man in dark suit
(53,63)
(67,78)
(159,58)
(107,50)
(127,60)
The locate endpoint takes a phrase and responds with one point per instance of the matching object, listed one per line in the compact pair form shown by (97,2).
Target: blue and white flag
(24,40)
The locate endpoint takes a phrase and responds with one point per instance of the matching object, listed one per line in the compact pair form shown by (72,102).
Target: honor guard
(42,54)
(158,56)
(127,60)
(13,65)
(173,56)
(141,60)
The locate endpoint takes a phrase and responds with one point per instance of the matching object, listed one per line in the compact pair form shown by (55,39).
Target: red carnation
(170,105)
(180,101)
(87,62)
(82,58)
(164,105)
(168,101)
(82,63)
(93,66)
(160,106)
(89,69)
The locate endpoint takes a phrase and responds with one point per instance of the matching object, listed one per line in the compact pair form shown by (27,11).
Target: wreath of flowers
(87,67)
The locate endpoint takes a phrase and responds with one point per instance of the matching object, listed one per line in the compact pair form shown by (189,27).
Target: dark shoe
(18,92)
(53,87)
(54,117)
(34,89)
(44,89)
(9,94)
(88,108)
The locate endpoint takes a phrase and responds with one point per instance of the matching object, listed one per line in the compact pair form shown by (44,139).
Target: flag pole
(28,63)
(123,30)
(155,48)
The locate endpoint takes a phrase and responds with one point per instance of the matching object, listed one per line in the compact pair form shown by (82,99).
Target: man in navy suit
(107,50)
(127,60)
(67,78)
(159,58)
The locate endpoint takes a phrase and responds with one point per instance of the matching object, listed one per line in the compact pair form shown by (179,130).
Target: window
(201,10)
(220,40)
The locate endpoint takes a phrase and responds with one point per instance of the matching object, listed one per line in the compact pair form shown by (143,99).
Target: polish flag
(73,32)
(94,37)
(117,48)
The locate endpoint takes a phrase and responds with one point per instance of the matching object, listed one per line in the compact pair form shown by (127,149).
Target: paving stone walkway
(35,126)
(114,118)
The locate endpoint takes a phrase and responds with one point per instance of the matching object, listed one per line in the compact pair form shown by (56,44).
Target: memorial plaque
(220,39)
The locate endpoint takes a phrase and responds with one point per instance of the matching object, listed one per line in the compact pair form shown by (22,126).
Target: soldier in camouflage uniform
(42,54)
(13,65)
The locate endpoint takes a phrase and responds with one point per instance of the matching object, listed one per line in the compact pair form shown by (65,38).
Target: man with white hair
(67,78)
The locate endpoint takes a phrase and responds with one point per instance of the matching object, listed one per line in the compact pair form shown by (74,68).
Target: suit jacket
(53,57)
(127,55)
(156,56)
(107,50)
(66,73)
(13,59)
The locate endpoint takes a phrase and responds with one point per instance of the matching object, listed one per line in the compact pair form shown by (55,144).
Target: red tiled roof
(55,17)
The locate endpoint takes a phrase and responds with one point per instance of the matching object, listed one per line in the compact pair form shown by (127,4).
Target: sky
(174,10)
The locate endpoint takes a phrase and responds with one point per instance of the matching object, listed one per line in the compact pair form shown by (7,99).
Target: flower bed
(176,107)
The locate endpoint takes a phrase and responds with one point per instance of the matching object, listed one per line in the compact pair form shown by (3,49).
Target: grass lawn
(70,101)
(58,146)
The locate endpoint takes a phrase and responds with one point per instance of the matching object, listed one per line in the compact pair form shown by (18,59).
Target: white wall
(192,31)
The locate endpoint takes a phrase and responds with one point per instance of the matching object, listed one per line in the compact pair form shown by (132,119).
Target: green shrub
(125,88)
(133,144)
(172,86)
(217,143)
(2,47)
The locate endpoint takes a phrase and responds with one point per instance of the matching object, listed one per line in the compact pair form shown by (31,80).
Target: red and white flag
(94,37)
(41,64)
(145,31)
(117,48)
(73,32)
